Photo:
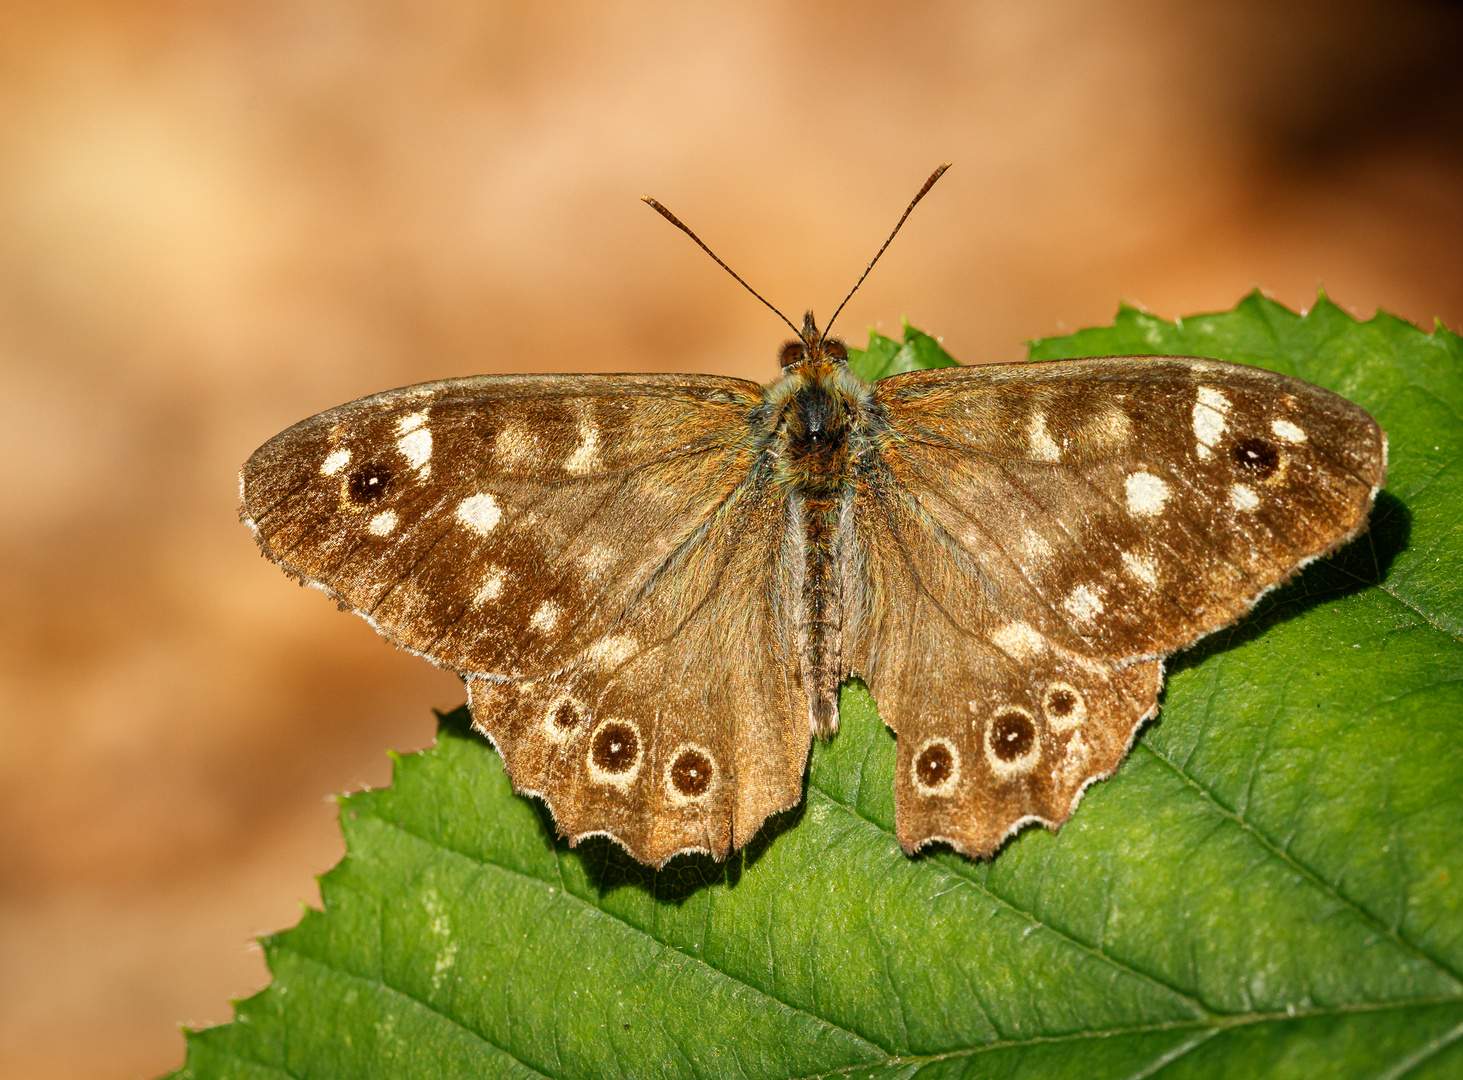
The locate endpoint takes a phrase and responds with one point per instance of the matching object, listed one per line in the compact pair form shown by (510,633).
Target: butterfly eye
(792,352)
(835,349)
(369,483)
(1256,456)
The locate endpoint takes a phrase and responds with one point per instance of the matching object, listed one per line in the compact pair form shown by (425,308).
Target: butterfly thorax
(817,409)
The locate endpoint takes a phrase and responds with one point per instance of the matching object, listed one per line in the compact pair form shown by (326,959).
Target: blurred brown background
(217,218)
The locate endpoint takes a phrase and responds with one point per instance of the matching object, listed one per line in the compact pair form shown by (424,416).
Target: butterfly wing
(550,538)
(1037,537)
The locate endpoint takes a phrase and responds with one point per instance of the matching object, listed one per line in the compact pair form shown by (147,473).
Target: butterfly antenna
(907,211)
(678,223)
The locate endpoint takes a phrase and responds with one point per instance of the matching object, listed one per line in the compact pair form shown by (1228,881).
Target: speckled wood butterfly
(654,585)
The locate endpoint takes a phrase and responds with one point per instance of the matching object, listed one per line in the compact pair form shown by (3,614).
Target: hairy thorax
(819,409)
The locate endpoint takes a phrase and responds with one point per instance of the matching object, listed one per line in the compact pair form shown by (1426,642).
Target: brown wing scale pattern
(1054,539)
(552,539)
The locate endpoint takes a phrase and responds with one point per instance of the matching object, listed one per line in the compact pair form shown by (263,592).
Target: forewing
(501,524)
(1034,538)
(1125,507)
(685,728)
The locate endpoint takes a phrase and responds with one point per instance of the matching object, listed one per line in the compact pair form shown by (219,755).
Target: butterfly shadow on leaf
(609,866)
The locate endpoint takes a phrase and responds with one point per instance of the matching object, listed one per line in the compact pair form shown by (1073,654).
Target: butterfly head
(812,347)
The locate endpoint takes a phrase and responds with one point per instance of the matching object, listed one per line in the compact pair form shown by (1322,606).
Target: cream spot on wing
(935,769)
(1112,428)
(1146,494)
(545,617)
(1084,602)
(491,587)
(1243,498)
(595,560)
(416,447)
(1141,567)
(1073,766)
(1034,545)
(480,513)
(586,454)
(1288,431)
(1018,640)
(337,460)
(383,523)
(410,422)
(611,651)
(1043,447)
(515,445)
(1209,418)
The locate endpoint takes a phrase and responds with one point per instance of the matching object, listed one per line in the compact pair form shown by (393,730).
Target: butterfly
(655,585)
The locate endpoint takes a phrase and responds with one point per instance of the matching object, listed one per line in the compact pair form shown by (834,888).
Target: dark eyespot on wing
(934,765)
(691,773)
(1012,735)
(370,483)
(1258,457)
(566,716)
(615,748)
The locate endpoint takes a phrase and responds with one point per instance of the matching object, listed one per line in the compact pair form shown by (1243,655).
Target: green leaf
(1272,885)
(885,356)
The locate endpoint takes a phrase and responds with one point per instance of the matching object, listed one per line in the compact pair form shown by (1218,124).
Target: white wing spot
(480,513)
(1288,431)
(416,447)
(586,455)
(545,617)
(337,460)
(611,651)
(383,523)
(1018,640)
(1084,602)
(1209,418)
(1146,494)
(1113,427)
(515,445)
(410,422)
(595,560)
(491,587)
(1034,545)
(1141,567)
(1043,447)
(1243,498)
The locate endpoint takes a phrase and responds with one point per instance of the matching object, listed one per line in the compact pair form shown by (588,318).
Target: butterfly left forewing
(499,524)
(1058,528)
